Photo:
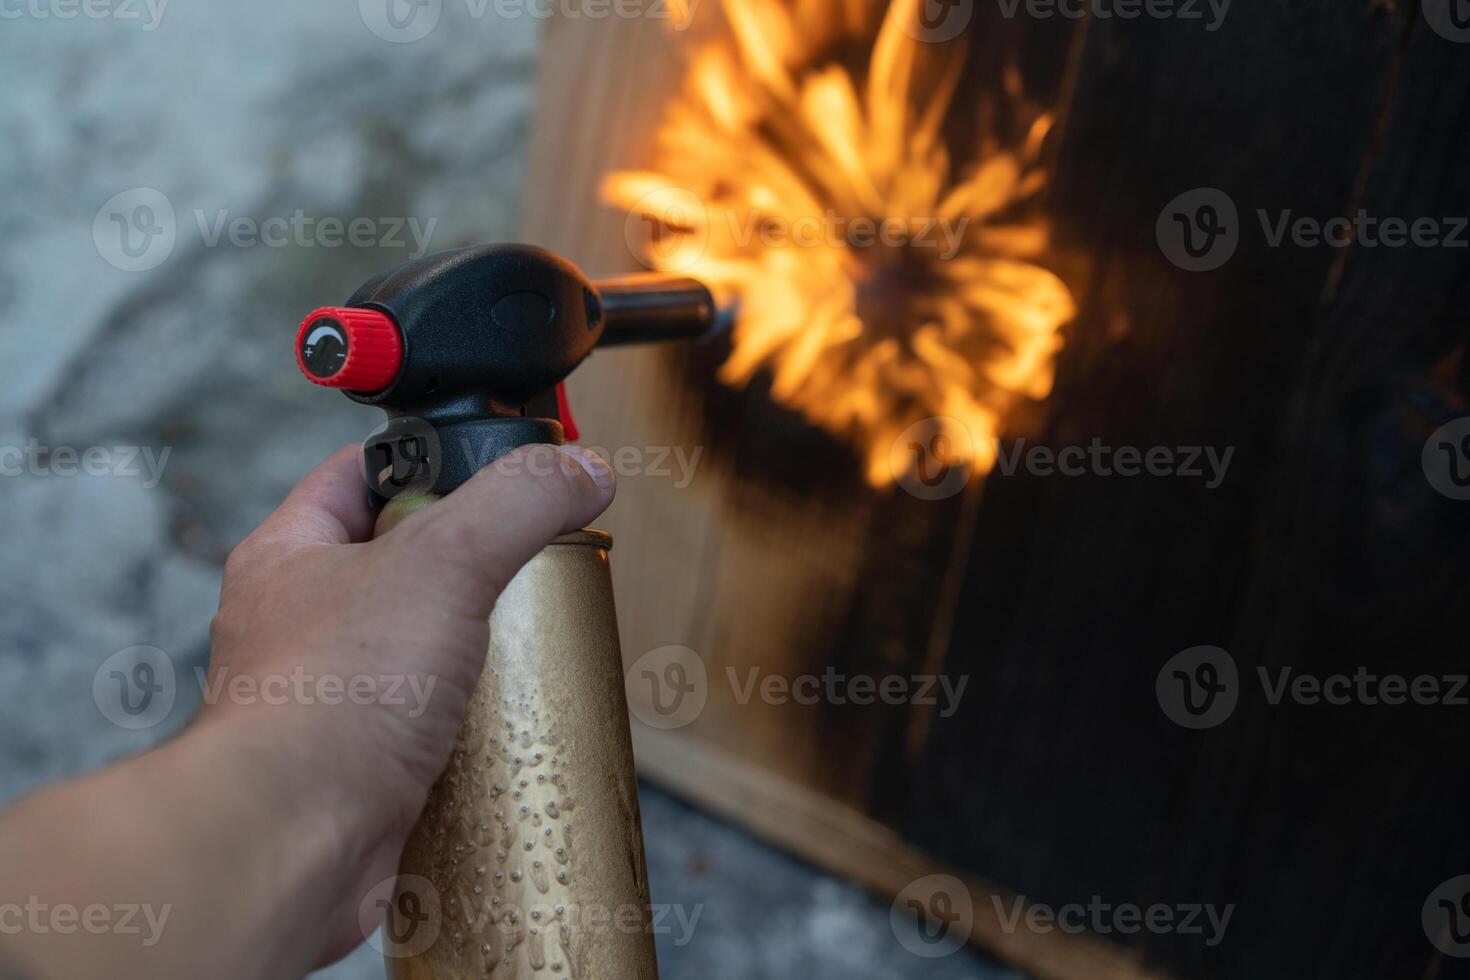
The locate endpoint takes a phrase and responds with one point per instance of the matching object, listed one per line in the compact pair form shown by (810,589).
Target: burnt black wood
(1325,548)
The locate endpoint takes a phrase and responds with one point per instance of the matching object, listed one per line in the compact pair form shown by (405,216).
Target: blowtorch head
(470,347)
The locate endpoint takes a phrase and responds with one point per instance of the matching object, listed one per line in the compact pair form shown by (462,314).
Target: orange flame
(877,286)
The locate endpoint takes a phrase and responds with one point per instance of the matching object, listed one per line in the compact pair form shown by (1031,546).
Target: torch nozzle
(643,308)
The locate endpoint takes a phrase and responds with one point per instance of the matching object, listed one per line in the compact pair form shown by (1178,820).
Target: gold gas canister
(531,840)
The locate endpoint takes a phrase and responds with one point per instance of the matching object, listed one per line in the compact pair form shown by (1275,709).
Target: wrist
(296,845)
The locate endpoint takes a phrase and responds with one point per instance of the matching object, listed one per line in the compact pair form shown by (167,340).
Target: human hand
(340,669)
(311,604)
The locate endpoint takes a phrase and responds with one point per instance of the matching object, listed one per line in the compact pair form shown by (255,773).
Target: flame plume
(768,165)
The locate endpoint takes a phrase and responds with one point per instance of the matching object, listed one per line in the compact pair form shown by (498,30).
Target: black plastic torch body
(485,336)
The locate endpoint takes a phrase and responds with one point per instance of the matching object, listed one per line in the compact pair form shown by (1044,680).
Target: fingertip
(594,466)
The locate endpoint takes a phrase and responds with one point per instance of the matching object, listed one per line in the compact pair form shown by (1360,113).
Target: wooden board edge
(844,842)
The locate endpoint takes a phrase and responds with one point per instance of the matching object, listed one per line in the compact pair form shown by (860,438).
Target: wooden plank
(777,557)
(853,845)
(1111,577)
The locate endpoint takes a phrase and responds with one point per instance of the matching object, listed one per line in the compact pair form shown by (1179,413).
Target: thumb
(468,546)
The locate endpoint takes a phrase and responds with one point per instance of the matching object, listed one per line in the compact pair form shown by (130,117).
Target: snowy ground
(136,318)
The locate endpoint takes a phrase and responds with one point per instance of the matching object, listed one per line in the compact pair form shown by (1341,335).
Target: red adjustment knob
(346,347)
(564,411)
